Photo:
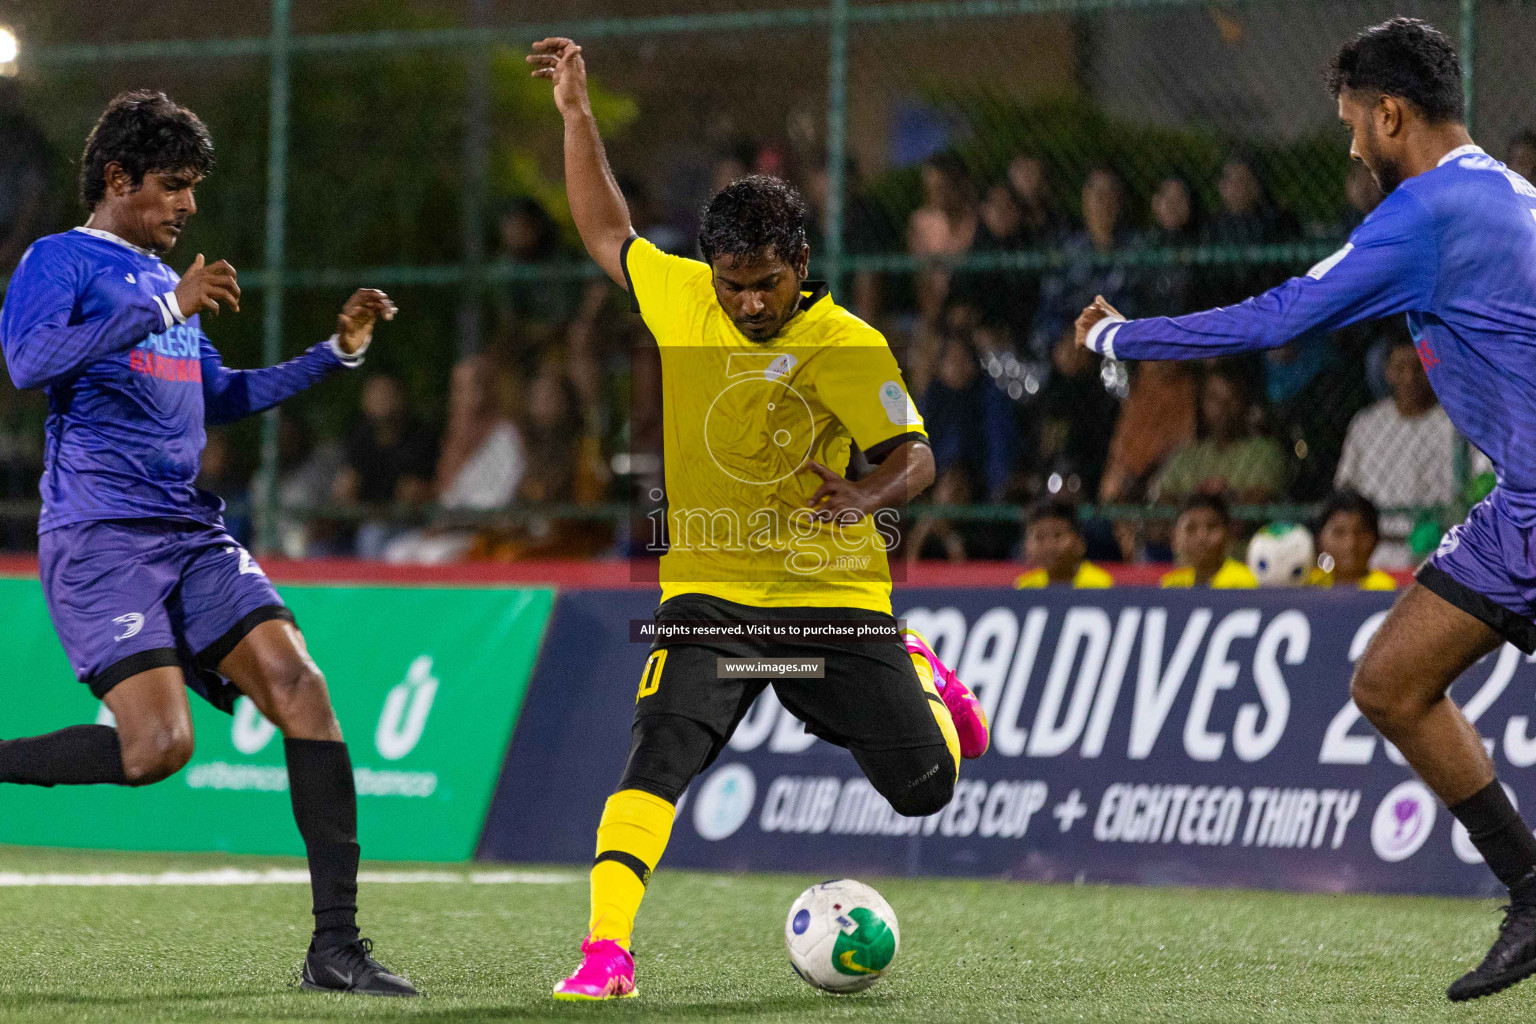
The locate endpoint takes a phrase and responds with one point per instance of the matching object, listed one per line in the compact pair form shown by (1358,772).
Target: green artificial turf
(710,948)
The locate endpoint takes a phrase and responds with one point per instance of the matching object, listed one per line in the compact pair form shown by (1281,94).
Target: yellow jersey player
(767,385)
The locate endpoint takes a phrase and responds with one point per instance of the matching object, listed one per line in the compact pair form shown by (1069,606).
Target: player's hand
(354,325)
(1092,315)
(204,286)
(559,60)
(838,498)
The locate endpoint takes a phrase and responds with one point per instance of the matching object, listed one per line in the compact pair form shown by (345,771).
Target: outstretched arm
(230,395)
(1388,267)
(597,205)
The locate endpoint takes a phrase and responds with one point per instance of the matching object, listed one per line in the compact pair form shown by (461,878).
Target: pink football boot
(607,971)
(970,720)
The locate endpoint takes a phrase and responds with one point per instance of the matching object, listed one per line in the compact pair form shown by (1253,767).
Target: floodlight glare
(8,45)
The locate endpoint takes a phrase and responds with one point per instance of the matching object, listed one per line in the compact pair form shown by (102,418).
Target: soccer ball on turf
(1281,555)
(841,936)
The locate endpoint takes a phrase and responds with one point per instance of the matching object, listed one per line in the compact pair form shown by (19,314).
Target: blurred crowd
(1017,412)
(554,421)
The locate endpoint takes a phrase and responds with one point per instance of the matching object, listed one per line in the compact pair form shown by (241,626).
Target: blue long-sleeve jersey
(1455,249)
(130,381)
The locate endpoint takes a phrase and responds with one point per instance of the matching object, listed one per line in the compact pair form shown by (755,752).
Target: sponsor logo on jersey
(172,354)
(780,367)
(898,407)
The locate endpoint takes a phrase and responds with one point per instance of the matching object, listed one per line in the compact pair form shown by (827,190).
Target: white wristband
(355,359)
(174,307)
(1101,336)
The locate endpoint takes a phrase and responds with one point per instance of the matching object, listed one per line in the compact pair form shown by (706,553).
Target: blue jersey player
(148,594)
(1453,246)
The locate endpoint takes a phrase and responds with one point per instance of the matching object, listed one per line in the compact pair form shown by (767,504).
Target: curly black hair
(753,216)
(143,131)
(1406,58)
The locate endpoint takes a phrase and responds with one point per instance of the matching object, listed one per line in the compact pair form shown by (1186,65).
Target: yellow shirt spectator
(1087,577)
(1233,575)
(1373,580)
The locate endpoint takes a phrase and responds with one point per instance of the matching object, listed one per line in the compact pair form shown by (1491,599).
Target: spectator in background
(532,312)
(1167,290)
(865,230)
(1075,420)
(1054,544)
(732,165)
(1229,459)
(970,422)
(1311,399)
(944,227)
(1005,298)
(1157,418)
(1348,531)
(564,467)
(1042,222)
(1202,536)
(650,224)
(1064,292)
(1401,452)
(1246,217)
(221,475)
(478,470)
(306,466)
(935,537)
(24,168)
(1522,154)
(389,458)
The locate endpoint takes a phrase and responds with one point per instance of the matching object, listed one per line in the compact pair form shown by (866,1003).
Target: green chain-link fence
(978,171)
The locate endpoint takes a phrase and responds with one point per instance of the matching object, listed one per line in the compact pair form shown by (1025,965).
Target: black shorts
(870,699)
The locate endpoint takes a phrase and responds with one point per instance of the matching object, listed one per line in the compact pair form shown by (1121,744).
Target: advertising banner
(426,683)
(1139,735)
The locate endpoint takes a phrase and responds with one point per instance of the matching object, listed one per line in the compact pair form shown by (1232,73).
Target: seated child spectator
(1055,545)
(1202,536)
(1347,534)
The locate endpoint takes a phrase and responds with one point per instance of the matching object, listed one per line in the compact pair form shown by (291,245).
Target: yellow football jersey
(1233,575)
(1087,577)
(741,422)
(1373,580)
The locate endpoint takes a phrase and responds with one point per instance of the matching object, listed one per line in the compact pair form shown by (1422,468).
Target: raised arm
(597,205)
(1388,267)
(229,395)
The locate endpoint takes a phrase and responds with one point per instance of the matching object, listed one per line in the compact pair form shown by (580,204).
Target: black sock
(1500,836)
(79,755)
(325,807)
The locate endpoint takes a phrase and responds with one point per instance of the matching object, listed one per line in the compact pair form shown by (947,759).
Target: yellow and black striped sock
(630,839)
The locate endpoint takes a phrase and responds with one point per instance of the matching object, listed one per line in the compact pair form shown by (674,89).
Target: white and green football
(841,936)
(1281,555)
